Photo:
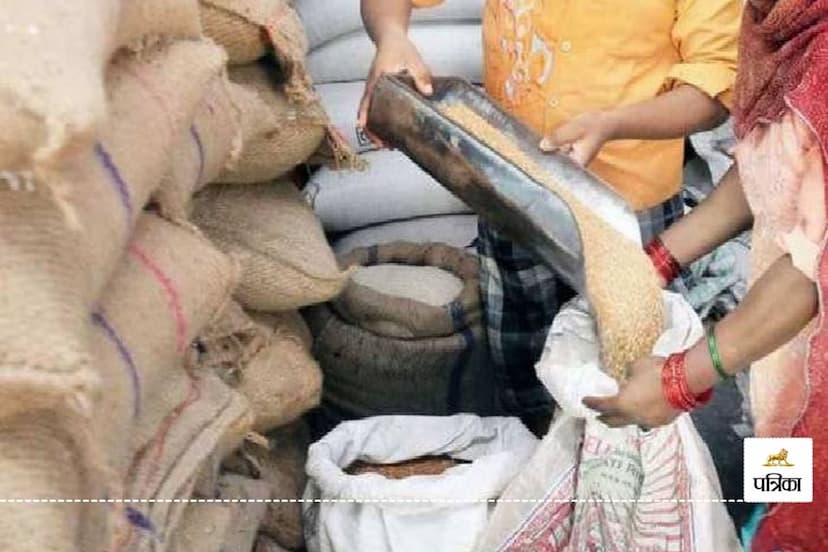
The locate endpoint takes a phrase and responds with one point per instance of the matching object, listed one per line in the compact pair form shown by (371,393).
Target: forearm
(781,303)
(724,214)
(383,17)
(675,114)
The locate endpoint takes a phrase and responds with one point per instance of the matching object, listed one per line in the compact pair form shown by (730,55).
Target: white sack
(449,50)
(341,103)
(391,188)
(497,447)
(582,459)
(326,20)
(456,230)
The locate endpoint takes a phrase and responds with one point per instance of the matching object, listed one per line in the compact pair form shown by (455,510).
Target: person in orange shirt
(617,86)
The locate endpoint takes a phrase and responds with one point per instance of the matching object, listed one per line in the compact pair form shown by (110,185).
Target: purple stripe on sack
(139,520)
(126,356)
(123,190)
(200,148)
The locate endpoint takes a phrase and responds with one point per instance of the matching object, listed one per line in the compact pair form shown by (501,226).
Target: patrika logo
(779,459)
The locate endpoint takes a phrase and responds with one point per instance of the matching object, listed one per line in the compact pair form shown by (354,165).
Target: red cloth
(784,64)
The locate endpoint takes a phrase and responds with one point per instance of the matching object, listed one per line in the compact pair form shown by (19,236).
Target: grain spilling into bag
(277,135)
(286,260)
(621,283)
(426,465)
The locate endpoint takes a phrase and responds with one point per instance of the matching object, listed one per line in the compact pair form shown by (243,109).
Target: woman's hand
(640,401)
(582,137)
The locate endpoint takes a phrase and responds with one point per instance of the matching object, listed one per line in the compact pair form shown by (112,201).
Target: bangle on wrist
(666,265)
(715,357)
(675,387)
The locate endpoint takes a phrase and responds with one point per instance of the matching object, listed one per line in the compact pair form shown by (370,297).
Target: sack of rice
(282,466)
(411,291)
(391,188)
(249,29)
(149,19)
(448,49)
(52,91)
(202,151)
(58,274)
(270,365)
(441,366)
(277,135)
(326,20)
(286,261)
(458,231)
(452,507)
(291,321)
(169,284)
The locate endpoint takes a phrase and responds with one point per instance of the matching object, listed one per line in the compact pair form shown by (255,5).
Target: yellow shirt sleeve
(425,3)
(706,35)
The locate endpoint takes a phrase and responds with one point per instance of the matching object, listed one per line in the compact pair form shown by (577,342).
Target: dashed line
(358,501)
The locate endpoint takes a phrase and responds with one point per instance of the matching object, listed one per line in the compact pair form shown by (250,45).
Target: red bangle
(665,264)
(675,387)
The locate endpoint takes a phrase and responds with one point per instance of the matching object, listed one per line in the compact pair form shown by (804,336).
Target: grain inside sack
(621,283)
(426,465)
(169,284)
(269,364)
(58,274)
(285,258)
(383,353)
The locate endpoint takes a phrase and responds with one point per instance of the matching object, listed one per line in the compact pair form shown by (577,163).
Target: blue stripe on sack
(115,177)
(458,318)
(200,148)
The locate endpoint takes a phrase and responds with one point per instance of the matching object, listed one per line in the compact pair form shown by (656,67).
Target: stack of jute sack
(393,199)
(106,392)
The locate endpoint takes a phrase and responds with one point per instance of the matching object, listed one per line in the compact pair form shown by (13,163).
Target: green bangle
(713,349)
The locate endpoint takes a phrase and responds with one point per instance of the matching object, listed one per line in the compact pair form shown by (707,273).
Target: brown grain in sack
(269,228)
(151,19)
(403,317)
(52,93)
(249,29)
(206,147)
(277,135)
(169,284)
(271,366)
(56,274)
(621,283)
(282,466)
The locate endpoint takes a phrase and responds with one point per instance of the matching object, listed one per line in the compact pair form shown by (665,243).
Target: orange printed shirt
(547,61)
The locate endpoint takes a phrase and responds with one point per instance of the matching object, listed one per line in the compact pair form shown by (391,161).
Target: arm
(387,24)
(779,306)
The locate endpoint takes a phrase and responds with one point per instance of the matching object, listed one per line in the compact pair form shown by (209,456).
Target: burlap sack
(249,29)
(150,19)
(286,260)
(282,466)
(368,375)
(169,284)
(292,321)
(227,526)
(211,142)
(270,365)
(57,275)
(51,89)
(267,544)
(276,135)
(403,317)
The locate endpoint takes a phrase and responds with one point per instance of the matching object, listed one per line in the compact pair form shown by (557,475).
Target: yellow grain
(621,284)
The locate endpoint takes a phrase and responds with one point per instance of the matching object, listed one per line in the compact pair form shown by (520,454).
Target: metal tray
(498,190)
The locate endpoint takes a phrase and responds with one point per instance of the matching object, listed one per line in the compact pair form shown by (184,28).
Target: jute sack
(267,544)
(268,364)
(282,465)
(57,274)
(286,261)
(407,317)
(228,526)
(169,284)
(291,321)
(366,374)
(249,29)
(277,135)
(211,142)
(52,91)
(151,19)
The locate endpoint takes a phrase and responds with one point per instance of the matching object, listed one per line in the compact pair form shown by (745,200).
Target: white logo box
(778,470)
